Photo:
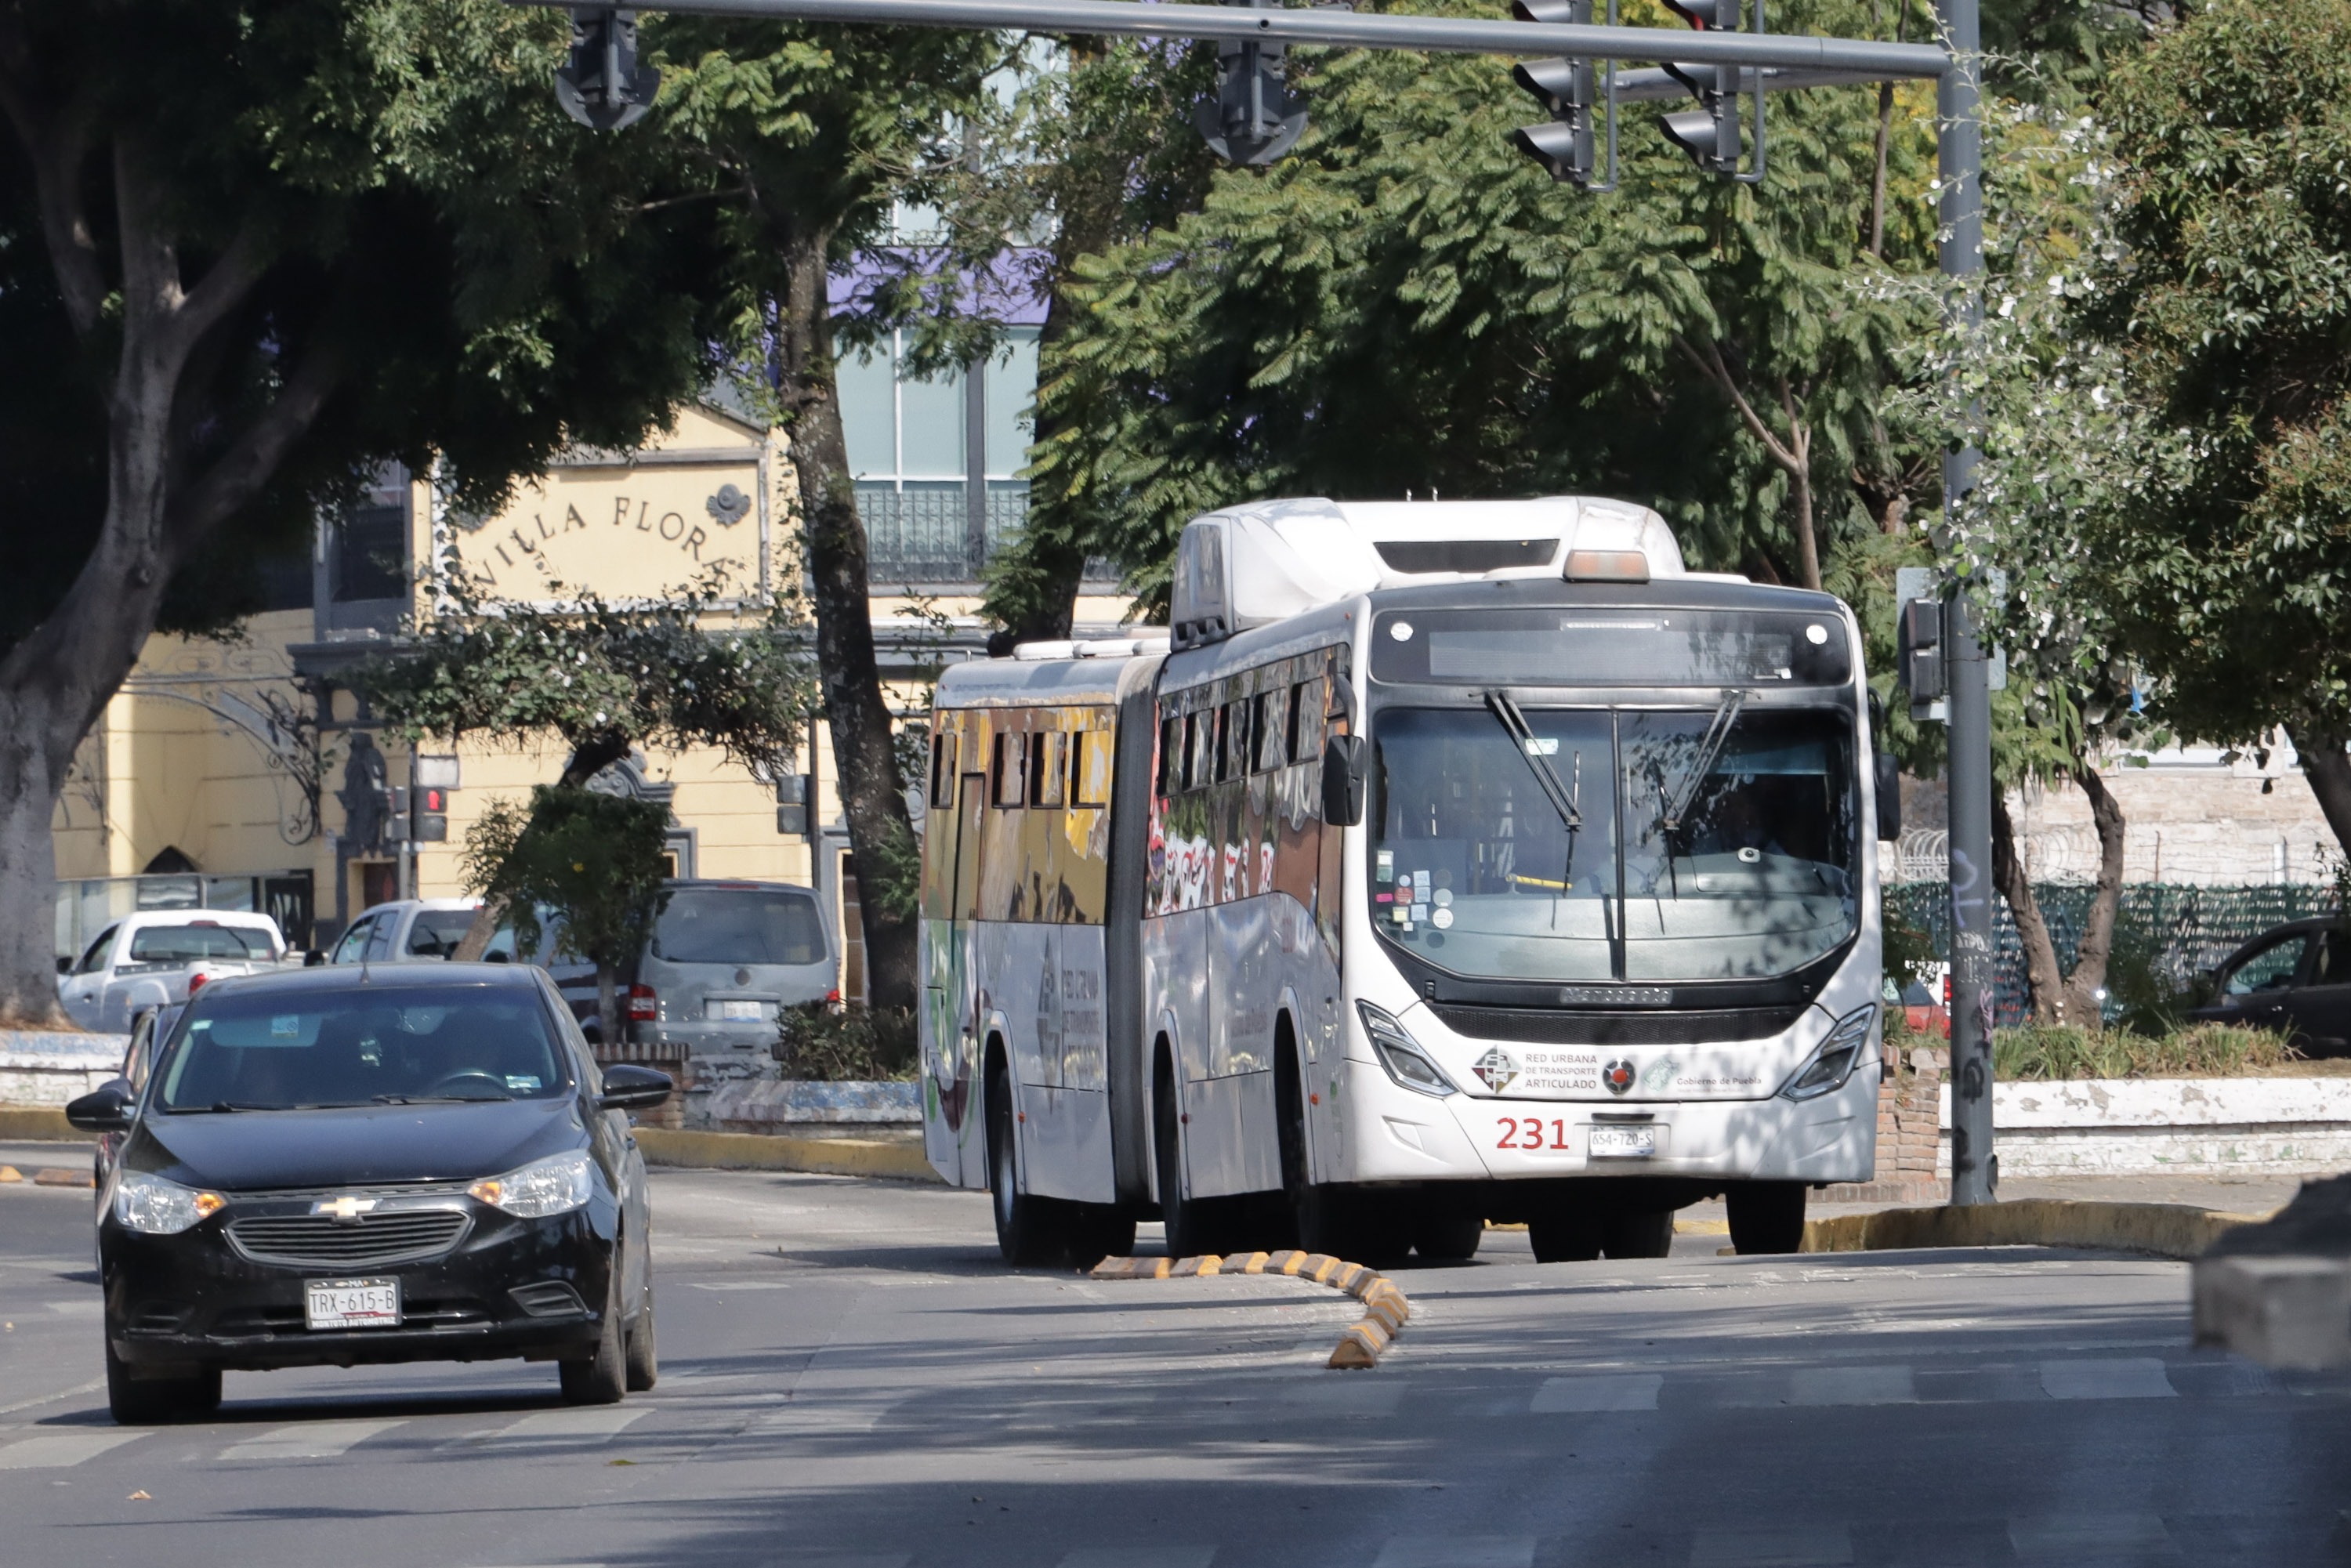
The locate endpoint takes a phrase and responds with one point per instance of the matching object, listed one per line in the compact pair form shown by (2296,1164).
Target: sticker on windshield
(1542,745)
(286,1026)
(519,1081)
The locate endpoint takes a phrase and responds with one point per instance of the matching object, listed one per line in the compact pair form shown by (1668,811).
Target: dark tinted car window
(437,931)
(724,926)
(278,1050)
(190,944)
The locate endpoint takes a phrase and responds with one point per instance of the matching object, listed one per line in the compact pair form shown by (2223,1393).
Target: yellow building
(227,774)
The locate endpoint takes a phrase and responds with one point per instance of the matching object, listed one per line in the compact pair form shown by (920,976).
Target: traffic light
(1710,134)
(1919,635)
(429,819)
(602,85)
(1562,86)
(1253,119)
(395,814)
(795,804)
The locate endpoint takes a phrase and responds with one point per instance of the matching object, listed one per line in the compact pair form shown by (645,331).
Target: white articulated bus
(1449,863)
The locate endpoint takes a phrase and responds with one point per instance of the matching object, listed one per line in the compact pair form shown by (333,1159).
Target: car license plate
(1624,1143)
(351,1303)
(735,1012)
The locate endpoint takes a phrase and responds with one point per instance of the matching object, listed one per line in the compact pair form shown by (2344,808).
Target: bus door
(962,942)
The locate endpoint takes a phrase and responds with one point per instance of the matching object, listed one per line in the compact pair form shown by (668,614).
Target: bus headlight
(1401,1054)
(1833,1063)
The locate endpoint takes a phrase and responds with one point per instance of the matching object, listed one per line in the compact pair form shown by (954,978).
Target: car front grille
(323,1241)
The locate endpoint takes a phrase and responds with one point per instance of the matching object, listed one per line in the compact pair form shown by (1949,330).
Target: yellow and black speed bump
(1386,1311)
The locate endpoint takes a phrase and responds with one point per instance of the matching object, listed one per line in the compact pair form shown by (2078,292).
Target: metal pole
(1975,1171)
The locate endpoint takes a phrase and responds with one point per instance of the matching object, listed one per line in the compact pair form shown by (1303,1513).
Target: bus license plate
(1624,1143)
(351,1303)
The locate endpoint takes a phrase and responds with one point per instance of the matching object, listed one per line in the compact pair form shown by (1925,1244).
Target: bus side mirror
(1889,797)
(1342,780)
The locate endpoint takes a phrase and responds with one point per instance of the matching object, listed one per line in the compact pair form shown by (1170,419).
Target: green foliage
(2201,1050)
(1909,951)
(594,860)
(847,1041)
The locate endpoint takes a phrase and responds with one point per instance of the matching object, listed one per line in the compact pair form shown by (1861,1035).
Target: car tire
(643,1357)
(150,1402)
(1766,1216)
(1451,1239)
(602,1378)
(1031,1232)
(1637,1235)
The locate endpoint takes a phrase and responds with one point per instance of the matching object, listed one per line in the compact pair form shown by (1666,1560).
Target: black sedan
(2294,978)
(333,1166)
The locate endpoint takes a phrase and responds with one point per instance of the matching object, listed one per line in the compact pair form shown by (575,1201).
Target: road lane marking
(815,1418)
(309,1440)
(92,1386)
(2114,1377)
(84,1308)
(1457,1551)
(1614,1391)
(569,1426)
(1852,1385)
(746,1285)
(1136,1557)
(2085,1538)
(1801,1546)
(63,1449)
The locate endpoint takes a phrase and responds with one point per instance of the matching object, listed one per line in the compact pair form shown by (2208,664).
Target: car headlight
(1402,1055)
(556,1184)
(1833,1063)
(154,1207)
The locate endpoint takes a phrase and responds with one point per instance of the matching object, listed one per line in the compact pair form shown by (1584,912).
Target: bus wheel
(1185,1221)
(1564,1237)
(1098,1231)
(1449,1238)
(1637,1235)
(1028,1229)
(1766,1216)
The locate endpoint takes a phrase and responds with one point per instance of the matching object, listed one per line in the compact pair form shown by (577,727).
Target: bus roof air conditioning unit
(1254,565)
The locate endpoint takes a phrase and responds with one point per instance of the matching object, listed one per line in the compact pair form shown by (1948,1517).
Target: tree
(254,253)
(803,139)
(596,861)
(2221,291)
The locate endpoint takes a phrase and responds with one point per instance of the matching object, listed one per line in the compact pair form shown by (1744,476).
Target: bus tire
(1564,1236)
(1029,1230)
(1632,1235)
(1766,1216)
(1186,1222)
(1448,1238)
(1098,1231)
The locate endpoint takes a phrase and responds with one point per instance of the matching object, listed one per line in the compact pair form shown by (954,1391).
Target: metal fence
(919,531)
(2164,931)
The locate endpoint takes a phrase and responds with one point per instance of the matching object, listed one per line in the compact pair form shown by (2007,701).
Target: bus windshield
(1682,844)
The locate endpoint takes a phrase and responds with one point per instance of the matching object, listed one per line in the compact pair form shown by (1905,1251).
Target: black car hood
(252,1151)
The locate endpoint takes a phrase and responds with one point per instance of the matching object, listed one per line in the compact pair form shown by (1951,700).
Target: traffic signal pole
(1760,62)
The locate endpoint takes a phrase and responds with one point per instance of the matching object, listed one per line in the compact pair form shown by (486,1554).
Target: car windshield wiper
(220,1107)
(441,1099)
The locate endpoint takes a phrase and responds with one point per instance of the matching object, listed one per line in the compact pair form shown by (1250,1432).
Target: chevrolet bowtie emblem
(345,1209)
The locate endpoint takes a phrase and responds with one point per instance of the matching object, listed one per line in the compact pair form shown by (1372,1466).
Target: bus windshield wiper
(1709,749)
(1515,722)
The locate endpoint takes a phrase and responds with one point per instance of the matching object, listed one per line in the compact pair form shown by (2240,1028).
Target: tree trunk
(2083,1003)
(2327,767)
(873,795)
(2042,974)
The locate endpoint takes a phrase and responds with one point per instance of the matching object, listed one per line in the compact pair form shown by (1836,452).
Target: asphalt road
(849,1378)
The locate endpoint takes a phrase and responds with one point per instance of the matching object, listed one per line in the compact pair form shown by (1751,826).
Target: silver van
(724,959)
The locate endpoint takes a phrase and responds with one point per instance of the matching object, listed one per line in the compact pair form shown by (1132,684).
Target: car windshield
(195,943)
(436,931)
(746,926)
(271,1051)
(1730,834)
(2270,968)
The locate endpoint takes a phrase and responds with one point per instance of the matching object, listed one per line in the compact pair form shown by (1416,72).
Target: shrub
(845,1042)
(2199,1051)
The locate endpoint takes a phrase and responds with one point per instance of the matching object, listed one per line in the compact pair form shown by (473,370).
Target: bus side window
(1308,725)
(1049,766)
(1272,729)
(1171,755)
(943,769)
(1011,770)
(1232,739)
(1201,724)
(1089,774)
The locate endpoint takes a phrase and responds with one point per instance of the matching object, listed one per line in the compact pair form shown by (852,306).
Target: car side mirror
(65,966)
(315,957)
(1342,780)
(104,1110)
(632,1087)
(1889,797)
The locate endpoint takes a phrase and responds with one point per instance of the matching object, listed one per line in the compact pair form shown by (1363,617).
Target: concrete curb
(764,1152)
(38,1125)
(1385,1310)
(2164,1229)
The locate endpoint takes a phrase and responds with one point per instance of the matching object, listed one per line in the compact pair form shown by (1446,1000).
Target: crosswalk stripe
(2085,1538)
(1138,1557)
(2114,1377)
(60,1450)
(1801,1546)
(309,1440)
(583,1425)
(1600,1391)
(1457,1551)
(816,1419)
(1852,1385)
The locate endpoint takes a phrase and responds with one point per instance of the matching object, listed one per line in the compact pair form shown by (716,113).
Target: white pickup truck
(161,955)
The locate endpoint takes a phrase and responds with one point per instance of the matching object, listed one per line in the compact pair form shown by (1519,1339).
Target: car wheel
(602,1378)
(1028,1229)
(644,1354)
(1766,1216)
(1451,1240)
(1637,1235)
(148,1402)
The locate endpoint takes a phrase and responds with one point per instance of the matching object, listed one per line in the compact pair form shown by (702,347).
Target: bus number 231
(1527,1133)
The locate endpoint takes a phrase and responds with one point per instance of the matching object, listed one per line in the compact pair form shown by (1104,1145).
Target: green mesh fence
(2164,931)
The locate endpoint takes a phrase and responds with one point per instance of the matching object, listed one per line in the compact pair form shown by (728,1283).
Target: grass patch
(836,1043)
(2198,1050)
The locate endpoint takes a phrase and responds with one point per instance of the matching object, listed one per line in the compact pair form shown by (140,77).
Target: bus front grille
(1554,1026)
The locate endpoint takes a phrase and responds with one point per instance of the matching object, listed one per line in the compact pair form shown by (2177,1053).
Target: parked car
(331,1167)
(2295,979)
(148,959)
(724,958)
(411,931)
